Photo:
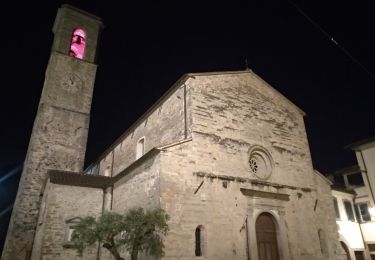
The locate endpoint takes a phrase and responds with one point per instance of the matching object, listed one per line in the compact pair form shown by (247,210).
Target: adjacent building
(354,203)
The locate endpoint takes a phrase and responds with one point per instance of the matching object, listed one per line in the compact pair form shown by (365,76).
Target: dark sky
(147,46)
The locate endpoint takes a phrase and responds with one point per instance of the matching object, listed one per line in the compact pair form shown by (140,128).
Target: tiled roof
(79,179)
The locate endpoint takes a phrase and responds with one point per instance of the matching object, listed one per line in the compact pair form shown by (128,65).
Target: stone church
(224,153)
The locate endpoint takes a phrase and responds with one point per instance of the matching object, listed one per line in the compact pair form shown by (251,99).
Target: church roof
(365,143)
(79,179)
(99,181)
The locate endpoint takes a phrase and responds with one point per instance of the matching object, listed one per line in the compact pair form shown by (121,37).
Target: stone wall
(163,124)
(215,202)
(194,201)
(139,187)
(235,111)
(324,216)
(208,182)
(62,203)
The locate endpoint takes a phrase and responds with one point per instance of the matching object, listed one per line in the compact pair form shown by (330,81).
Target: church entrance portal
(266,237)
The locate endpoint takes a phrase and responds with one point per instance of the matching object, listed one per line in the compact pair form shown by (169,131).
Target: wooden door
(266,237)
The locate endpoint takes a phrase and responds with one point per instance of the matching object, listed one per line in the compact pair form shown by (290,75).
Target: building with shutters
(354,203)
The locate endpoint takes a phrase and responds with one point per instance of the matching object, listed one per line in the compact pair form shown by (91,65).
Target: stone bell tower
(58,139)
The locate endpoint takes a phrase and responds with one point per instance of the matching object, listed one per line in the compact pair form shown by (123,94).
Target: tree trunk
(134,254)
(113,251)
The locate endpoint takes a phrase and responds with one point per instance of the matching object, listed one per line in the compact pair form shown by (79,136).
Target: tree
(137,230)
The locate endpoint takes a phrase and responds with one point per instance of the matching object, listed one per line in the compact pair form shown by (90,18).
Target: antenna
(332,40)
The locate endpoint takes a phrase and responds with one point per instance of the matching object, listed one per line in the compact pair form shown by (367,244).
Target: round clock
(71,82)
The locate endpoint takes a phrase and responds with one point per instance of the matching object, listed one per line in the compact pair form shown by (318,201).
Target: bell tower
(59,135)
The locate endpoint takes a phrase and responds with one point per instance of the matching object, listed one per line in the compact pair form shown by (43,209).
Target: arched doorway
(346,249)
(266,237)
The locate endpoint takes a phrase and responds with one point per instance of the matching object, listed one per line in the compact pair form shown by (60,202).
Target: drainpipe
(367,178)
(185,112)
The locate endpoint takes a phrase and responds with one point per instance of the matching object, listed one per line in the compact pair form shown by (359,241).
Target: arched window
(140,148)
(200,245)
(78,44)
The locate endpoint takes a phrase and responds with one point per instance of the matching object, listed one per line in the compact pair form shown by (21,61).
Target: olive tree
(137,230)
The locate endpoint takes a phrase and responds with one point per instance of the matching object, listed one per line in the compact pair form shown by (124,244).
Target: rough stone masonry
(224,153)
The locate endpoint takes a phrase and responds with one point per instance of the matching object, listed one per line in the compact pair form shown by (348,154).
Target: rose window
(260,162)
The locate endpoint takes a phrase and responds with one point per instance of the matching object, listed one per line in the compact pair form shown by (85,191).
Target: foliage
(137,230)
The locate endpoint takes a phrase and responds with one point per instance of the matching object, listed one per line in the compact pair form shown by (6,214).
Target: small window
(363,212)
(371,247)
(359,255)
(78,44)
(323,242)
(69,229)
(198,248)
(107,171)
(42,211)
(349,210)
(140,148)
(336,206)
(200,241)
(69,234)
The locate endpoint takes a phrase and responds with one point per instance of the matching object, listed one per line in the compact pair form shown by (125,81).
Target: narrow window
(349,210)
(78,44)
(198,242)
(336,206)
(42,211)
(69,234)
(322,241)
(371,247)
(140,148)
(363,212)
(70,225)
(359,255)
(107,171)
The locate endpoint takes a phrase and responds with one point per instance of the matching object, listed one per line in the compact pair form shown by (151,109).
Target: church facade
(224,153)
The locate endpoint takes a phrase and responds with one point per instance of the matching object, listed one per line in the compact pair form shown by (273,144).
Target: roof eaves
(356,145)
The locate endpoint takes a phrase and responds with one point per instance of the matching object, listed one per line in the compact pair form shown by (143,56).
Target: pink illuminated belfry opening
(78,44)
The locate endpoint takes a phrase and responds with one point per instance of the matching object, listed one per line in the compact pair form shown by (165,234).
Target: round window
(260,162)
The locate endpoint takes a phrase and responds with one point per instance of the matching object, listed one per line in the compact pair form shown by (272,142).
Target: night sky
(146,46)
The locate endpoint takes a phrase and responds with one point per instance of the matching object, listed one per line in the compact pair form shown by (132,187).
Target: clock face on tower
(71,82)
